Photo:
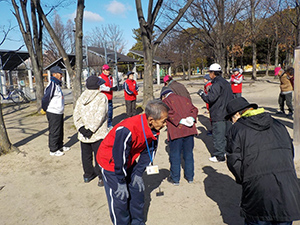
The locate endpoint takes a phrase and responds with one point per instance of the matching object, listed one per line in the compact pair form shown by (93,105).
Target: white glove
(187,121)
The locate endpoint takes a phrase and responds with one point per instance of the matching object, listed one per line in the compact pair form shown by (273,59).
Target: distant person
(286,92)
(108,89)
(207,84)
(176,87)
(90,119)
(260,155)
(181,130)
(219,95)
(131,89)
(236,82)
(290,75)
(123,156)
(53,104)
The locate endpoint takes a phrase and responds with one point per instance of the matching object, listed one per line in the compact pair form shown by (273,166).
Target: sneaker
(290,114)
(280,112)
(57,153)
(217,159)
(65,148)
(170,180)
(190,182)
(100,183)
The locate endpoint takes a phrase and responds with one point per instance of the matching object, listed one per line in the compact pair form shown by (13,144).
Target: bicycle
(16,95)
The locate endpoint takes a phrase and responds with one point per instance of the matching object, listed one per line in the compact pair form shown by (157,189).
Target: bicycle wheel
(16,97)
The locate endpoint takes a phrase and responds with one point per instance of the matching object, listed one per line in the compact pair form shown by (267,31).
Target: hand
(139,181)
(122,191)
(115,88)
(87,133)
(200,92)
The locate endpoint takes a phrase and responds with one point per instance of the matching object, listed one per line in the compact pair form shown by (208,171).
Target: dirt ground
(36,188)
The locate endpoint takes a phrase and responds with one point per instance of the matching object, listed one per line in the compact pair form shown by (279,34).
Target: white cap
(215,67)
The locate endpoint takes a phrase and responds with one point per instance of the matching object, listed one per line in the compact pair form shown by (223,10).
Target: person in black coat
(218,96)
(260,155)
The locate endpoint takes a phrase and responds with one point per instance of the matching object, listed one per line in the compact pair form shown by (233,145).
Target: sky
(96,14)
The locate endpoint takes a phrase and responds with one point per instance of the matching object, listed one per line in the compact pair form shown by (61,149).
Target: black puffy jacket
(218,96)
(260,156)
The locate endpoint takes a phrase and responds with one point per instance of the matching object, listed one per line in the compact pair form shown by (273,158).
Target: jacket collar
(56,81)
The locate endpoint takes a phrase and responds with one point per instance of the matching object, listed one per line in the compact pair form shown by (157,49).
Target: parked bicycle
(16,95)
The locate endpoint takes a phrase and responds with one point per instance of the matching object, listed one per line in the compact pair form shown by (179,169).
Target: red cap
(167,78)
(105,67)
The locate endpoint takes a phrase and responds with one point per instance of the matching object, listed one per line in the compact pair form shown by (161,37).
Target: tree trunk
(5,144)
(254,52)
(148,77)
(77,86)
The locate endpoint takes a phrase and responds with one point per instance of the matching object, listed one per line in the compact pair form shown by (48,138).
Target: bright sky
(97,13)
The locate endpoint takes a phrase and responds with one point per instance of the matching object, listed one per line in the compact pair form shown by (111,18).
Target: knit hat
(56,69)
(276,71)
(105,67)
(164,91)
(93,82)
(236,105)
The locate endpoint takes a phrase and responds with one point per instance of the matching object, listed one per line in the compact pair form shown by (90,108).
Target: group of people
(258,149)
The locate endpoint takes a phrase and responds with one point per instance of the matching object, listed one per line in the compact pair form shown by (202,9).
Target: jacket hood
(89,95)
(257,121)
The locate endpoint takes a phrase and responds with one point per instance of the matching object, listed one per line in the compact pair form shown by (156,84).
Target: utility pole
(296,136)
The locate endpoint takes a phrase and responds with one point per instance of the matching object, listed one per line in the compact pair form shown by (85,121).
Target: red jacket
(236,83)
(180,107)
(130,90)
(206,88)
(134,124)
(108,83)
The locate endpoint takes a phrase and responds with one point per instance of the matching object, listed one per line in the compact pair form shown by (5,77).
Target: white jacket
(91,112)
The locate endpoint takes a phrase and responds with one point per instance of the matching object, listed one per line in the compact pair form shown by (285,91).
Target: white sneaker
(65,148)
(57,153)
(213,159)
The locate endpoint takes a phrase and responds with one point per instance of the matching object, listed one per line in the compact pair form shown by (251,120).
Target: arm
(213,95)
(126,88)
(104,88)
(48,95)
(121,150)
(77,115)
(234,155)
(238,79)
(100,113)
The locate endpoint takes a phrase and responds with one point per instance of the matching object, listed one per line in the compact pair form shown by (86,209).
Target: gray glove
(122,191)
(139,181)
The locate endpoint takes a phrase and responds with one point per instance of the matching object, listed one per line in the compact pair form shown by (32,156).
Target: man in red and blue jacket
(135,137)
(131,89)
(107,88)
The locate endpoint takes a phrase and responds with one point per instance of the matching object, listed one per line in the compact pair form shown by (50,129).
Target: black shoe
(170,180)
(88,179)
(100,183)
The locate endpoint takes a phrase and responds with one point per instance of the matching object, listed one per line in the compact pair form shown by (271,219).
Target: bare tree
(107,36)
(65,35)
(78,42)
(149,43)
(5,144)
(32,35)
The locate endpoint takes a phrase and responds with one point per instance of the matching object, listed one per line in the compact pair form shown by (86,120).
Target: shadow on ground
(207,140)
(35,135)
(226,193)
(152,182)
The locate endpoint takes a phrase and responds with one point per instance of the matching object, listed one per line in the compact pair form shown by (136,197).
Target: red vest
(108,83)
(134,124)
(236,88)
(208,84)
(131,86)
